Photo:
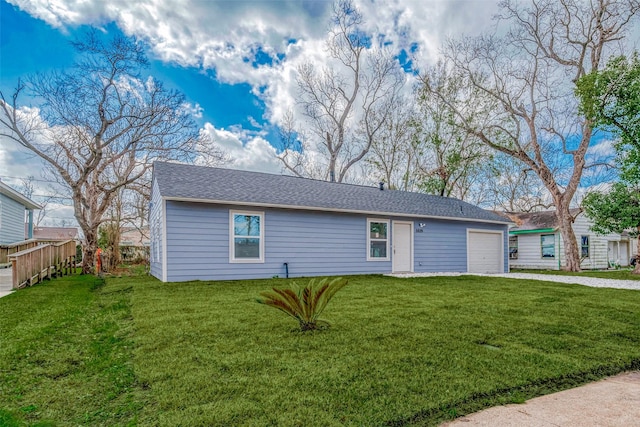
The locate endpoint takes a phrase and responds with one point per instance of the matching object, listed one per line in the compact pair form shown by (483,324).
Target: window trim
(542,246)
(232,236)
(514,237)
(588,246)
(369,239)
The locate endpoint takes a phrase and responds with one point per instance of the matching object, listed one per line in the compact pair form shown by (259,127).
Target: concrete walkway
(595,282)
(614,401)
(5,282)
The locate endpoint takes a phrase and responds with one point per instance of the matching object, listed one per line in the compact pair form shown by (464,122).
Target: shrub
(305,304)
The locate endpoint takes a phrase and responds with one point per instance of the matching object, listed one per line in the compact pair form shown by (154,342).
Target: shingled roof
(228,186)
(530,221)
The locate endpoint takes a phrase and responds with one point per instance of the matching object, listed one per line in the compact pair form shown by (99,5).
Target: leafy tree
(448,156)
(611,99)
(615,211)
(523,102)
(99,126)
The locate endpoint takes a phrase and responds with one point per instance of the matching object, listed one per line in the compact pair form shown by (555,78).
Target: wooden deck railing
(32,265)
(6,250)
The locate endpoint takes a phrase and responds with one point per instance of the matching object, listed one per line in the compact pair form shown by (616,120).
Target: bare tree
(514,187)
(524,104)
(27,188)
(100,126)
(393,157)
(346,102)
(449,157)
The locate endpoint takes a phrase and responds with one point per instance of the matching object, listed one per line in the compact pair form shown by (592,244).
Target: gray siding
(12,219)
(312,243)
(442,245)
(155,232)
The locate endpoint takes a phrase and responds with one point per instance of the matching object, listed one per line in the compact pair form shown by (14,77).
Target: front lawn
(400,351)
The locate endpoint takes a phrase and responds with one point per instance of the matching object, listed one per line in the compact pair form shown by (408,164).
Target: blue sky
(49,48)
(234,60)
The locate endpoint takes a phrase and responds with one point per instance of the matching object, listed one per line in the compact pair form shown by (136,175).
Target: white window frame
(232,236)
(369,239)
(588,246)
(517,246)
(542,247)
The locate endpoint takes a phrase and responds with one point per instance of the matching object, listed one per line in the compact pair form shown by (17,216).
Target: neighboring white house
(536,242)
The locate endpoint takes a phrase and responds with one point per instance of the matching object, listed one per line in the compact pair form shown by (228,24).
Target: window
(246,237)
(377,240)
(548,245)
(513,247)
(584,246)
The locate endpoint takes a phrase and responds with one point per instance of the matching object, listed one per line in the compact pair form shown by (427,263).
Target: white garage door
(484,252)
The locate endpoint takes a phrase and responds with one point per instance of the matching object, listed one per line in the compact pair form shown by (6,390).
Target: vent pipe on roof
(332,176)
(381,185)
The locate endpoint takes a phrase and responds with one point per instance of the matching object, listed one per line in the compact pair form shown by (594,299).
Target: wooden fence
(6,250)
(32,265)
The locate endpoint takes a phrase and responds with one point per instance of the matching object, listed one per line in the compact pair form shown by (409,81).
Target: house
(134,236)
(134,244)
(536,242)
(61,234)
(15,211)
(216,224)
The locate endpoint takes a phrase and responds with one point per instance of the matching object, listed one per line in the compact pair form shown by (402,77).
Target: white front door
(402,250)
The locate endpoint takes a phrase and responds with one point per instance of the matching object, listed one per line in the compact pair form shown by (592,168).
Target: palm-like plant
(305,304)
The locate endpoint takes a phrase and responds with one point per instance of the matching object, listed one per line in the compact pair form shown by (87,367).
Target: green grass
(65,355)
(400,351)
(623,274)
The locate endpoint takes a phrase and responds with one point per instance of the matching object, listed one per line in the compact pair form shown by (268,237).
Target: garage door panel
(484,253)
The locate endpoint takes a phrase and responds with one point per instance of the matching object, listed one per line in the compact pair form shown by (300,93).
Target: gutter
(539,230)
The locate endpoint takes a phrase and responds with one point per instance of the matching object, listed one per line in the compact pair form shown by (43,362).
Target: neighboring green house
(535,242)
(15,211)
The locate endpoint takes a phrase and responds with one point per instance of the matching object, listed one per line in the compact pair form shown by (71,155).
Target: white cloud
(226,35)
(603,149)
(247,150)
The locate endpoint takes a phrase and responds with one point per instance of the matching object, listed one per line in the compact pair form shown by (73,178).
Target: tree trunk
(571,252)
(89,251)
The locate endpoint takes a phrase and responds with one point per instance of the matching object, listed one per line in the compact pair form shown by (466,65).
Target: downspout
(30,231)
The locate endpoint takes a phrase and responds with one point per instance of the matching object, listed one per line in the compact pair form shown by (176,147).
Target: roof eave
(14,195)
(314,208)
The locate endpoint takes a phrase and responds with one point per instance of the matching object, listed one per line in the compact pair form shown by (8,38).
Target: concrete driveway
(5,282)
(614,402)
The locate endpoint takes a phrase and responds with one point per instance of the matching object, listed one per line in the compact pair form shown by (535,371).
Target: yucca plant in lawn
(305,304)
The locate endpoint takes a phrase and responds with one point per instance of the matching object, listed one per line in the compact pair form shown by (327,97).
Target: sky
(235,60)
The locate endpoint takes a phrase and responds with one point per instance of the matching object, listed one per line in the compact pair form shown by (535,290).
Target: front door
(401,241)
